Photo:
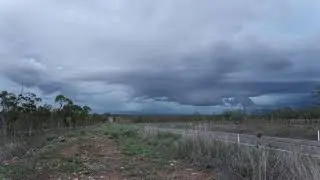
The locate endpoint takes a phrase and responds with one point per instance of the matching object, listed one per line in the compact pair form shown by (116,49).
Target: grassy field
(113,151)
(104,152)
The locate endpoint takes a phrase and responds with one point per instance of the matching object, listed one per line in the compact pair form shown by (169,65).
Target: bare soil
(101,158)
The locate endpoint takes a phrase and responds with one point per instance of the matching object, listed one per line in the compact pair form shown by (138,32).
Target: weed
(51,138)
(69,165)
(15,171)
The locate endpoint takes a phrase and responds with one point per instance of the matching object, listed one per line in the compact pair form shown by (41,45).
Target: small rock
(209,166)
(61,139)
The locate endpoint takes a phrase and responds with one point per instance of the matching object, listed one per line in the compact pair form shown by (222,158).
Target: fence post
(238,138)
(318,135)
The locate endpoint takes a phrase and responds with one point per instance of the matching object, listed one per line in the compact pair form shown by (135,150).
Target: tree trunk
(30,126)
(3,124)
(30,130)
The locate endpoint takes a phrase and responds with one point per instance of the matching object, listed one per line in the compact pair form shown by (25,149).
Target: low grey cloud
(210,78)
(165,56)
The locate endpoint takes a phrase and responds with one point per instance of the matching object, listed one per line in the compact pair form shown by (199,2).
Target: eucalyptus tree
(61,100)
(86,110)
(25,112)
(44,114)
(7,104)
(86,114)
(75,114)
(64,109)
(29,104)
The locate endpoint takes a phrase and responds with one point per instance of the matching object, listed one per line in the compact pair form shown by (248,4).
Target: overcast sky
(166,56)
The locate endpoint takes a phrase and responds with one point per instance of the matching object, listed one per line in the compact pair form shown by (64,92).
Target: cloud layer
(161,55)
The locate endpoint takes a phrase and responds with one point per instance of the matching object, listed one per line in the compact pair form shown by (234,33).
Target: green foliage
(68,165)
(127,136)
(25,112)
(121,131)
(15,171)
(133,144)
(163,140)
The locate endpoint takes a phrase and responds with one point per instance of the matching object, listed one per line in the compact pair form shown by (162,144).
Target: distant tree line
(25,112)
(308,113)
(286,115)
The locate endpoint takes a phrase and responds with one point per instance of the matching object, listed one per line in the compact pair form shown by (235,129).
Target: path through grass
(105,152)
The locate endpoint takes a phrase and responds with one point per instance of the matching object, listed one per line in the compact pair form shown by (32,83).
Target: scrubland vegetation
(119,151)
(64,140)
(25,113)
(108,151)
(26,122)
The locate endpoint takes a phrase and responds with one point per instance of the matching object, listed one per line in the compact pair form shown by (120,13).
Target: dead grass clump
(12,149)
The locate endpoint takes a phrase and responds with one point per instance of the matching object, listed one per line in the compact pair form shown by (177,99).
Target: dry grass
(12,149)
(232,161)
(111,152)
(240,162)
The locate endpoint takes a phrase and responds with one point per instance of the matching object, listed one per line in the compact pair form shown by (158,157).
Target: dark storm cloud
(31,77)
(162,54)
(206,78)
